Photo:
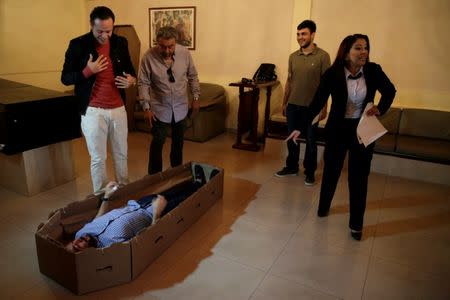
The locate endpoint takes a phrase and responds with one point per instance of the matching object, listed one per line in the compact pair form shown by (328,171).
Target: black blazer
(334,82)
(76,59)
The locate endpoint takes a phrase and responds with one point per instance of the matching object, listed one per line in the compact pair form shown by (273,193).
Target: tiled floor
(262,240)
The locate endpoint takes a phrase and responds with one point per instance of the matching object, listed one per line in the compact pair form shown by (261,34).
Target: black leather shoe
(310,180)
(356,235)
(322,214)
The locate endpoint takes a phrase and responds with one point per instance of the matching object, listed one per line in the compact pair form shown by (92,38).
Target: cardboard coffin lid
(151,184)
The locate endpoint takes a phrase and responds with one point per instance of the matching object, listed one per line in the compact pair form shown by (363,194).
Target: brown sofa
(210,121)
(421,134)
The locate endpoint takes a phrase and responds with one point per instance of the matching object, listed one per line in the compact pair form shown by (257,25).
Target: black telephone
(265,72)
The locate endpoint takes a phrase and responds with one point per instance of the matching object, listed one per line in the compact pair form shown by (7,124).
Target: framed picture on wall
(180,18)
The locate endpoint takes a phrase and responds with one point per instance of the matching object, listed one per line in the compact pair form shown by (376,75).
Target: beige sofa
(210,121)
(421,134)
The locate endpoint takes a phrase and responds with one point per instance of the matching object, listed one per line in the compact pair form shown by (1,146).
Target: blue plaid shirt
(118,225)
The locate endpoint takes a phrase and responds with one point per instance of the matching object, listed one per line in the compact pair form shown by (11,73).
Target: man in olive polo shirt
(306,66)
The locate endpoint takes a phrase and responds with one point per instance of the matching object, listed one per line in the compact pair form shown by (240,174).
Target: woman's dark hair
(345,47)
(102,13)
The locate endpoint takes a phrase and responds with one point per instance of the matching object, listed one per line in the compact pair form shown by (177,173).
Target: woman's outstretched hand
(294,136)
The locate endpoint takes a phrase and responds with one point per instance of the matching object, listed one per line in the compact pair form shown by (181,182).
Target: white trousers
(100,125)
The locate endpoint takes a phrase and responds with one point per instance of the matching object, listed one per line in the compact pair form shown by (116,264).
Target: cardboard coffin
(98,268)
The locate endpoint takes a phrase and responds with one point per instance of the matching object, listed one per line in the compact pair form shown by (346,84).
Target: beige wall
(301,11)
(233,37)
(409,39)
(34,36)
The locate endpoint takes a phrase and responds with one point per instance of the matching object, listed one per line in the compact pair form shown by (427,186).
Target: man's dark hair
(92,242)
(307,24)
(346,45)
(102,13)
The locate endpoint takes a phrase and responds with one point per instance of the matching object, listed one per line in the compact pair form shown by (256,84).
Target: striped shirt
(118,225)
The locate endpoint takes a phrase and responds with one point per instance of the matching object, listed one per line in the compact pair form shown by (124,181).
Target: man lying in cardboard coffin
(122,224)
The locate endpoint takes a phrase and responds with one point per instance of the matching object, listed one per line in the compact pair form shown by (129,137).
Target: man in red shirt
(99,65)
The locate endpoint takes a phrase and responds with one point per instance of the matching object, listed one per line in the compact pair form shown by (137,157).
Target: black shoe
(213,173)
(199,174)
(322,214)
(286,172)
(356,235)
(310,180)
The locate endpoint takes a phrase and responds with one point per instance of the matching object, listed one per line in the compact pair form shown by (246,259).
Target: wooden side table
(248,113)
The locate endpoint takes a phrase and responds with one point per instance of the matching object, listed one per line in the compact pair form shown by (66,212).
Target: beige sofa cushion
(386,143)
(210,94)
(391,119)
(424,147)
(277,116)
(425,123)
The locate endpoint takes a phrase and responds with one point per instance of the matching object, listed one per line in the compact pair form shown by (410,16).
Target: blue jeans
(296,120)
(174,196)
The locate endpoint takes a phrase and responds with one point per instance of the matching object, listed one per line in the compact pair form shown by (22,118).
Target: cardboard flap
(80,207)
(151,184)
(52,229)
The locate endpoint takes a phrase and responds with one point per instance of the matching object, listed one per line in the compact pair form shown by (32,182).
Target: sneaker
(286,172)
(356,234)
(322,214)
(310,180)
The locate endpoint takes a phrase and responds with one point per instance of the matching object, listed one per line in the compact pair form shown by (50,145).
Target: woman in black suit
(352,82)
